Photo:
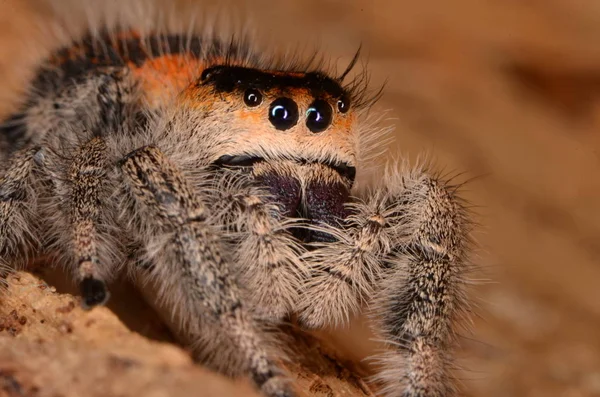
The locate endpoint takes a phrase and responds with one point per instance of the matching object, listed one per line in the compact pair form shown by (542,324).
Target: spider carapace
(227,179)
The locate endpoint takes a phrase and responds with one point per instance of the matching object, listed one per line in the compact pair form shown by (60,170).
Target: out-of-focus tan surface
(506,91)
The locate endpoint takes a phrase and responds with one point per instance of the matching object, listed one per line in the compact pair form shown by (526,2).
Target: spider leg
(344,271)
(267,255)
(80,205)
(17,204)
(191,263)
(72,122)
(421,298)
(403,252)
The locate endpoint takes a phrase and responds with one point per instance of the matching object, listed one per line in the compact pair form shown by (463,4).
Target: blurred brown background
(507,91)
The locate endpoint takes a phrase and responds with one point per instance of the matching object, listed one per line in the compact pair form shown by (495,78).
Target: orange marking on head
(343,124)
(166,75)
(253,117)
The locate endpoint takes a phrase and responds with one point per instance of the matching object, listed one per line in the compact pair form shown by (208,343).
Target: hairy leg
(344,272)
(190,262)
(17,205)
(403,252)
(267,256)
(421,300)
(70,122)
(81,227)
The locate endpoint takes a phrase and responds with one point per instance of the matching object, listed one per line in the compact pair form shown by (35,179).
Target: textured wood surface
(505,91)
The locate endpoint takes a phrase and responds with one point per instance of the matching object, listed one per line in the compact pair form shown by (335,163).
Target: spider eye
(283,113)
(252,97)
(343,104)
(206,74)
(318,116)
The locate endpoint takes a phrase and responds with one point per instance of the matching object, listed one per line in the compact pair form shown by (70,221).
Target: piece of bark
(50,347)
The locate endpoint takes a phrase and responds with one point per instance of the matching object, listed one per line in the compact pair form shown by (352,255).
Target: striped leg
(403,252)
(17,205)
(191,264)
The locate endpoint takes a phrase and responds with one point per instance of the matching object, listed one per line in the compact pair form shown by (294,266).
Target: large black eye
(252,97)
(318,116)
(283,113)
(343,104)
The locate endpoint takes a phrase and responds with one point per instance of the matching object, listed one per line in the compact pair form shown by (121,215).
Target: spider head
(293,132)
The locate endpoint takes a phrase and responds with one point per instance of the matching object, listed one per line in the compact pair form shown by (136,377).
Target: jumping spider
(228,181)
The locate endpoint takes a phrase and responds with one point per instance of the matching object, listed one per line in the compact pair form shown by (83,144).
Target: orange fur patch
(166,75)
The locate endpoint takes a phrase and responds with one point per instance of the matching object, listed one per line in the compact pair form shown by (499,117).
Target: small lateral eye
(318,116)
(206,74)
(343,104)
(252,97)
(283,113)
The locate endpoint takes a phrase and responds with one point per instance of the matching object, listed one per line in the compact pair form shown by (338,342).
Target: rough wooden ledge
(50,347)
